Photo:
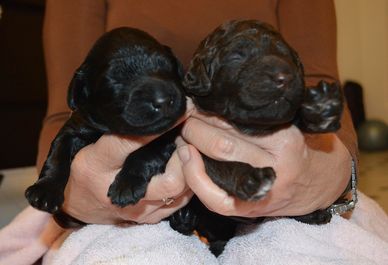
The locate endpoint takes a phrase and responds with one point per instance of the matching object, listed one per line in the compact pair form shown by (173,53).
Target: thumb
(215,198)
(110,151)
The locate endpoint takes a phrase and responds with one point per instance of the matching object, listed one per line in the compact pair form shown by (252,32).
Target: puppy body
(247,74)
(129,84)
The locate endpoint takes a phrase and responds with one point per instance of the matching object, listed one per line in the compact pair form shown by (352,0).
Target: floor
(12,187)
(373,181)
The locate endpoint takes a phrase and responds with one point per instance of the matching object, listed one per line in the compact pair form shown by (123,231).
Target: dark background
(22,81)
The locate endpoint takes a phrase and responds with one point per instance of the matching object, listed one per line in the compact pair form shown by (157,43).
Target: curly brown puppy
(247,74)
(129,84)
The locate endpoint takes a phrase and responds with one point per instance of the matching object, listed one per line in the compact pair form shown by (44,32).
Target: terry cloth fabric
(137,245)
(361,240)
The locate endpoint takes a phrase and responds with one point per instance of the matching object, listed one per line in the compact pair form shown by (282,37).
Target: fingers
(110,151)
(219,144)
(212,120)
(190,108)
(94,169)
(167,210)
(209,193)
(215,198)
(170,184)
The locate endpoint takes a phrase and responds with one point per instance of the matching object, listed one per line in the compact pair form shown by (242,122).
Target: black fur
(246,73)
(129,84)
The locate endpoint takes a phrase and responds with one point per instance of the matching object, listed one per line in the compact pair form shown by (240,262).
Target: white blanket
(362,240)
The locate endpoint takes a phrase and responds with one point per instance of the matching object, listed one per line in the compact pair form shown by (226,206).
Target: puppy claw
(45,197)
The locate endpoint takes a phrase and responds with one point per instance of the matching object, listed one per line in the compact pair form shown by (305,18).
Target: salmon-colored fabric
(72,26)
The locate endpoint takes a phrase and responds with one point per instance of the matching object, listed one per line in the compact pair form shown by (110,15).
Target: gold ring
(168,201)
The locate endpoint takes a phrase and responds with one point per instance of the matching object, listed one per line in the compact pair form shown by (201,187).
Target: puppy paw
(45,196)
(256,184)
(322,108)
(126,190)
(318,217)
(184,221)
(217,247)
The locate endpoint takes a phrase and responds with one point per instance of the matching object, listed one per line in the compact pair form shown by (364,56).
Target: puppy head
(129,84)
(245,72)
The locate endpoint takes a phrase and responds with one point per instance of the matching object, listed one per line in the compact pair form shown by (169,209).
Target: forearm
(70,29)
(51,126)
(310,27)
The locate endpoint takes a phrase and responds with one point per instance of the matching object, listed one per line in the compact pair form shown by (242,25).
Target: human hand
(94,169)
(312,170)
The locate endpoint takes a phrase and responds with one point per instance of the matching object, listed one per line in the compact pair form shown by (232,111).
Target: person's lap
(359,240)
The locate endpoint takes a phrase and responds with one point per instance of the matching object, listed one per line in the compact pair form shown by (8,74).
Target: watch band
(346,205)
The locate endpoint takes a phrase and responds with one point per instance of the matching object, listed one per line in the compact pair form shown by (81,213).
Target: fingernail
(184,154)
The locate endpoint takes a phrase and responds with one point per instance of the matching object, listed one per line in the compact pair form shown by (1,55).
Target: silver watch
(348,204)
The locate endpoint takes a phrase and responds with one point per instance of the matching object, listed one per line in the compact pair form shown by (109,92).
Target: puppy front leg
(216,228)
(131,182)
(240,179)
(47,193)
(322,108)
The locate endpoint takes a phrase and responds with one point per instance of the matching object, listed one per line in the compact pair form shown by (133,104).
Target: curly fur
(246,73)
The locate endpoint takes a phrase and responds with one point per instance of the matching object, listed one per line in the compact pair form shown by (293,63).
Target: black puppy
(246,73)
(129,84)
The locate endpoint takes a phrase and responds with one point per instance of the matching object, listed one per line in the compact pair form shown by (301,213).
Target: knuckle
(172,185)
(79,167)
(293,141)
(188,128)
(225,207)
(124,145)
(221,146)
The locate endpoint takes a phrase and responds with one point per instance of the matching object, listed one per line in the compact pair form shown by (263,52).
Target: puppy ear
(181,70)
(178,64)
(202,67)
(77,93)
(297,61)
(197,80)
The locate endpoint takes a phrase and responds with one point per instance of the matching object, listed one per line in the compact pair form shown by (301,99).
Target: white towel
(137,245)
(362,240)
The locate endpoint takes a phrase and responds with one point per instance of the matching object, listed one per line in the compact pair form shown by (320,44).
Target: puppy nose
(282,80)
(162,103)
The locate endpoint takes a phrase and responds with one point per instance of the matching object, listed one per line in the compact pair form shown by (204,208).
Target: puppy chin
(156,128)
(263,120)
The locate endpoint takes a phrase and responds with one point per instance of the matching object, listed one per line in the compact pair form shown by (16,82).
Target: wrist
(348,199)
(51,125)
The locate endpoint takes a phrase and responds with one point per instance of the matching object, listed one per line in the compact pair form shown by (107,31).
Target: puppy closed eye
(234,56)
